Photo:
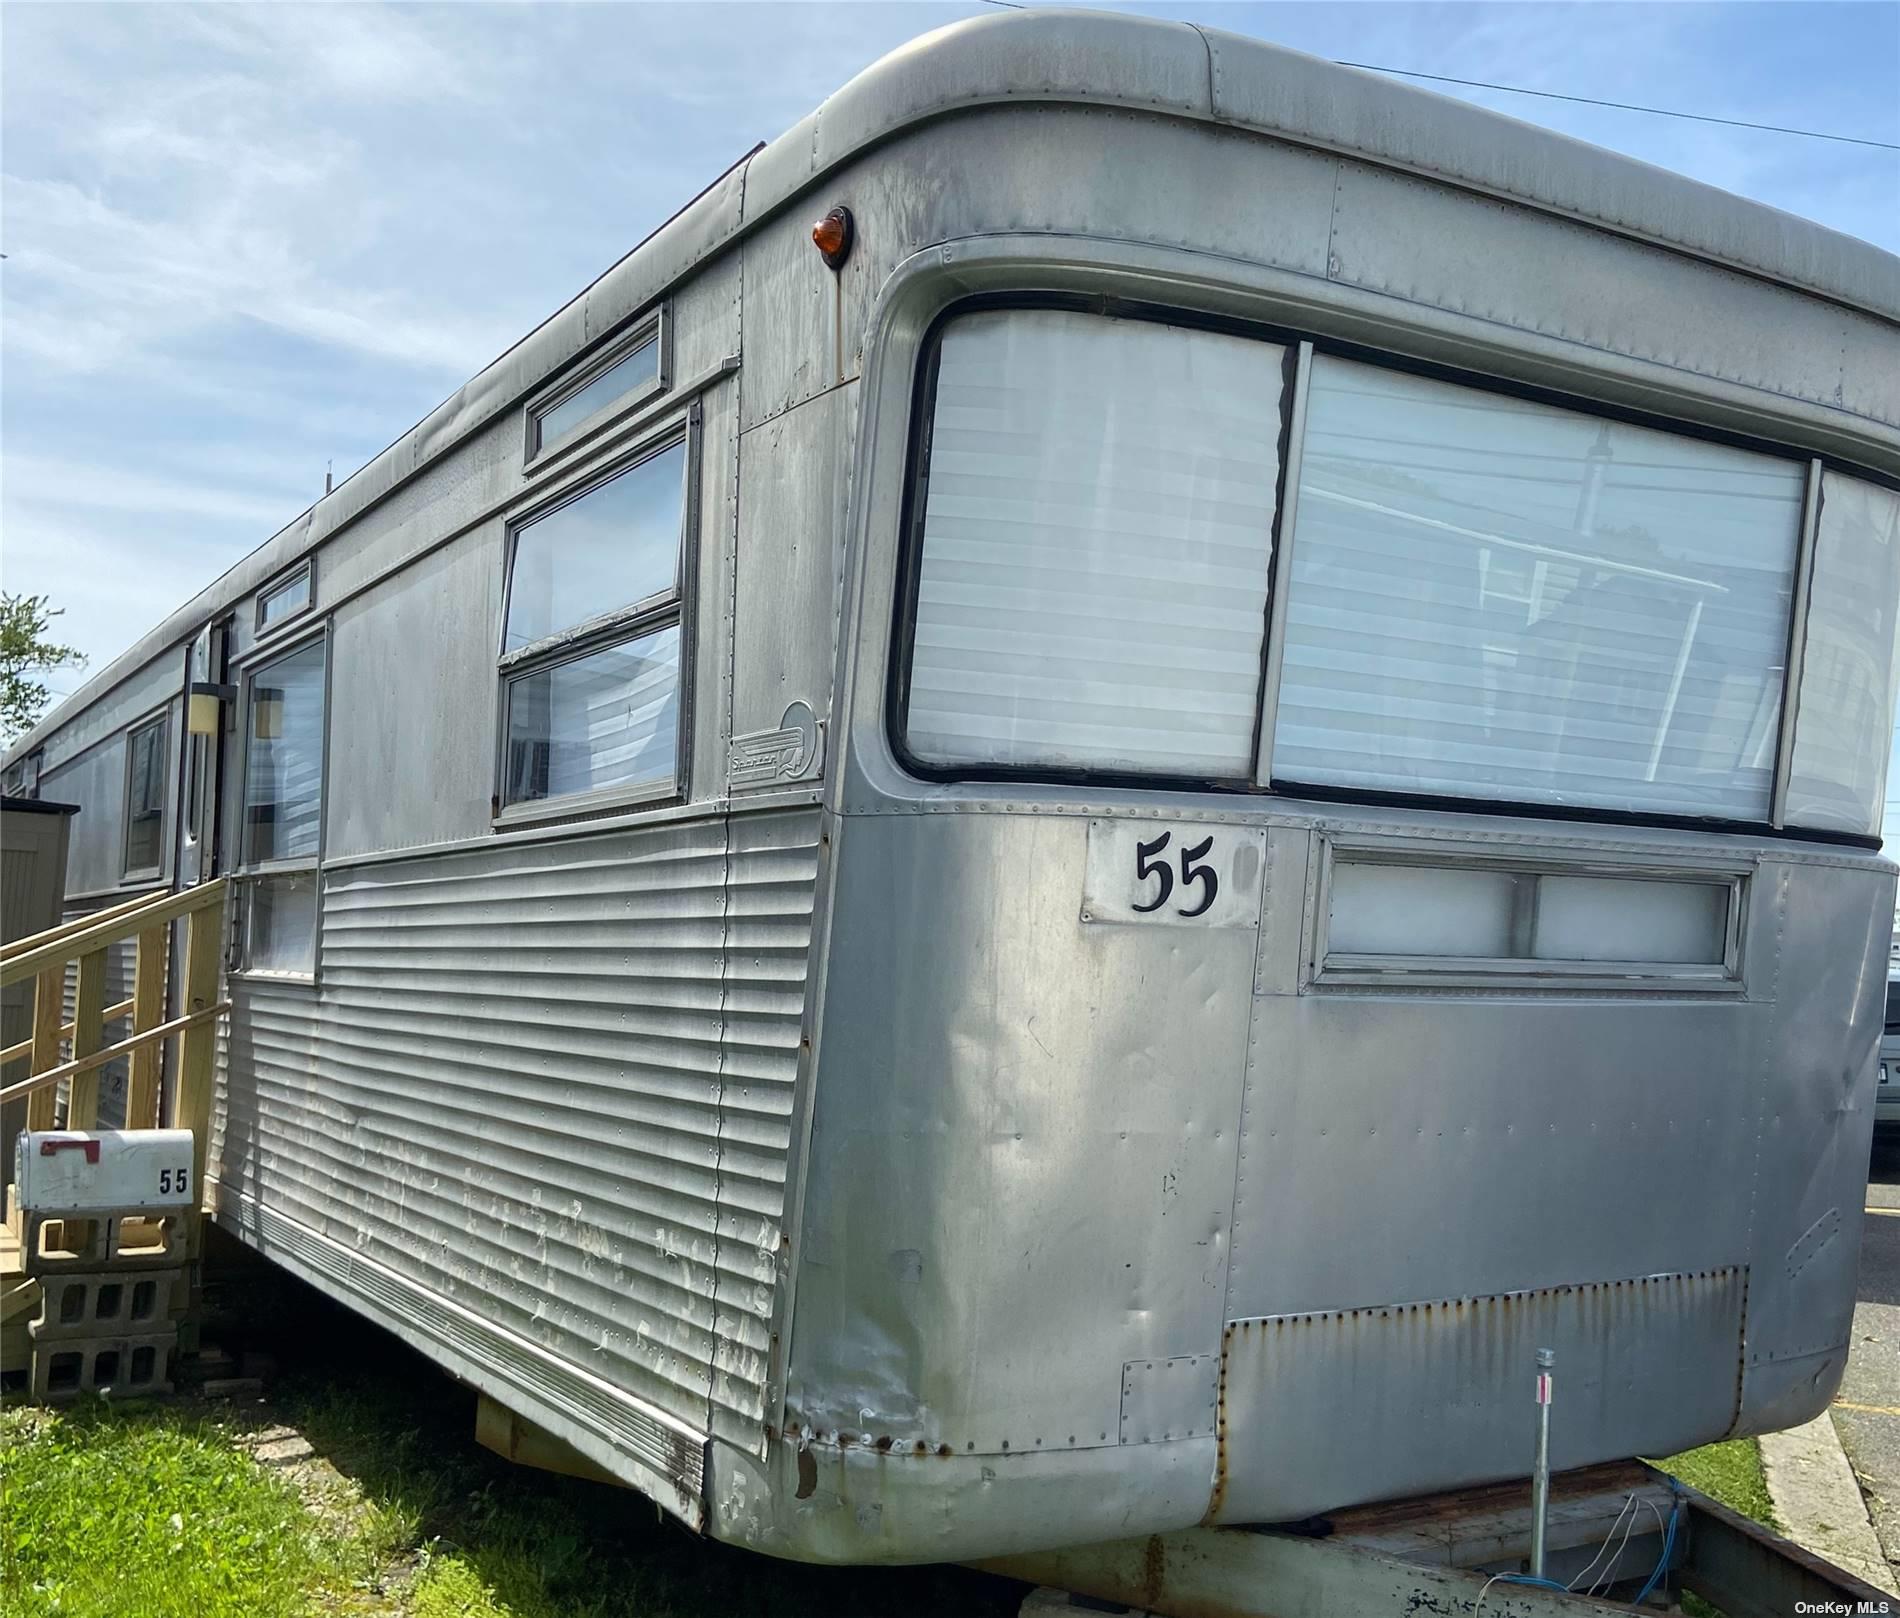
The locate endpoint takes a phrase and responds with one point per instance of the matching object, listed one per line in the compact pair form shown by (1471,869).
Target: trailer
(1140,757)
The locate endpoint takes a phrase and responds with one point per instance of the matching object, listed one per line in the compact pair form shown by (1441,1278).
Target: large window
(283,764)
(1092,584)
(591,644)
(145,799)
(1494,598)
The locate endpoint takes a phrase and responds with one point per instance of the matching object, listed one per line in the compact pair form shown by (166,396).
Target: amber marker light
(833,236)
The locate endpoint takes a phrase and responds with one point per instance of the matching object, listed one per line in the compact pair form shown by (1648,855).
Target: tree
(25,651)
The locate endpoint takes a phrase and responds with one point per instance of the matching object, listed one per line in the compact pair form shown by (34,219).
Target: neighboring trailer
(1080,877)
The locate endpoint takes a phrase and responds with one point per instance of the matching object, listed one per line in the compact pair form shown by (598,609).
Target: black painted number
(1193,872)
(172,1181)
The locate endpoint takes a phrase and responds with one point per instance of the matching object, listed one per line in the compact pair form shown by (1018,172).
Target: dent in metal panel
(1433,245)
(1337,1407)
(989,1064)
(1818,1072)
(791,541)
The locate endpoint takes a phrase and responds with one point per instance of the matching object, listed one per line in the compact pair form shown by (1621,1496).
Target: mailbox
(101,1170)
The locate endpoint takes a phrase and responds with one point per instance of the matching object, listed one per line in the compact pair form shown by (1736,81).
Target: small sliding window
(146,758)
(626,373)
(591,644)
(288,597)
(1392,917)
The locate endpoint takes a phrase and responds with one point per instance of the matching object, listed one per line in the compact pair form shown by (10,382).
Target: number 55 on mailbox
(1178,873)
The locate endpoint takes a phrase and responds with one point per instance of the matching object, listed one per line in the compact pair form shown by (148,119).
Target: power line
(1621,106)
(1586,101)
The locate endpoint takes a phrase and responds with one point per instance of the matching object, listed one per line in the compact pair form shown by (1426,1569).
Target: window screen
(1500,599)
(1097,518)
(145,798)
(283,766)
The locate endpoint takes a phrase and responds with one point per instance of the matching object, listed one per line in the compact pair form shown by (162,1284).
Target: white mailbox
(99,1170)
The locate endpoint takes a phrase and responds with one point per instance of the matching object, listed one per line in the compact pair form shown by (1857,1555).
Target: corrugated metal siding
(508,1090)
(772,875)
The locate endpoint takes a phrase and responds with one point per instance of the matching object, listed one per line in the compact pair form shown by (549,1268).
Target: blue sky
(248,242)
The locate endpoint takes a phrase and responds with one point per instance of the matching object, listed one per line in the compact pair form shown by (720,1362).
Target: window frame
(655,326)
(306,569)
(159,720)
(1322,969)
(246,871)
(619,626)
(1302,346)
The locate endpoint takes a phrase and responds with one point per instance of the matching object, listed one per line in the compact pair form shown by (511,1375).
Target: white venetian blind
(1496,598)
(1097,521)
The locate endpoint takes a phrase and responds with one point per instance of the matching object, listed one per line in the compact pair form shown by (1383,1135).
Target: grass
(124,1513)
(1731,1473)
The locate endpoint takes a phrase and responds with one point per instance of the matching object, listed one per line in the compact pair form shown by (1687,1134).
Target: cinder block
(128,1366)
(107,1304)
(51,1243)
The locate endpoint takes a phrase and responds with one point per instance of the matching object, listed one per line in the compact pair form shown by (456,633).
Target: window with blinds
(1838,768)
(1495,598)
(283,762)
(1097,520)
(591,639)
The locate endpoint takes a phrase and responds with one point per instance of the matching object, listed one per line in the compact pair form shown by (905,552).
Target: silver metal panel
(1332,1408)
(549,1084)
(412,737)
(1168,1399)
(1426,243)
(561,1185)
(1436,1144)
(1816,1112)
(771,874)
(792,474)
(95,780)
(1022,1151)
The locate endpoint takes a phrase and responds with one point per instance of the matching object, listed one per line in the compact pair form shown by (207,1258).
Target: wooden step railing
(146,922)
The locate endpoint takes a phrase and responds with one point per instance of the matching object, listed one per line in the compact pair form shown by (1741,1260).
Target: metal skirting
(1441,1392)
(662,1457)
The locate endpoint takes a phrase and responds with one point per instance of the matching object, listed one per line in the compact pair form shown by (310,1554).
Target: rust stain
(807,1475)
(1154,1571)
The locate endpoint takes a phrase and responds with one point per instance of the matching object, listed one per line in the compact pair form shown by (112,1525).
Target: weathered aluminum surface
(1168,1399)
(1440,1392)
(95,780)
(547,1084)
(1220,82)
